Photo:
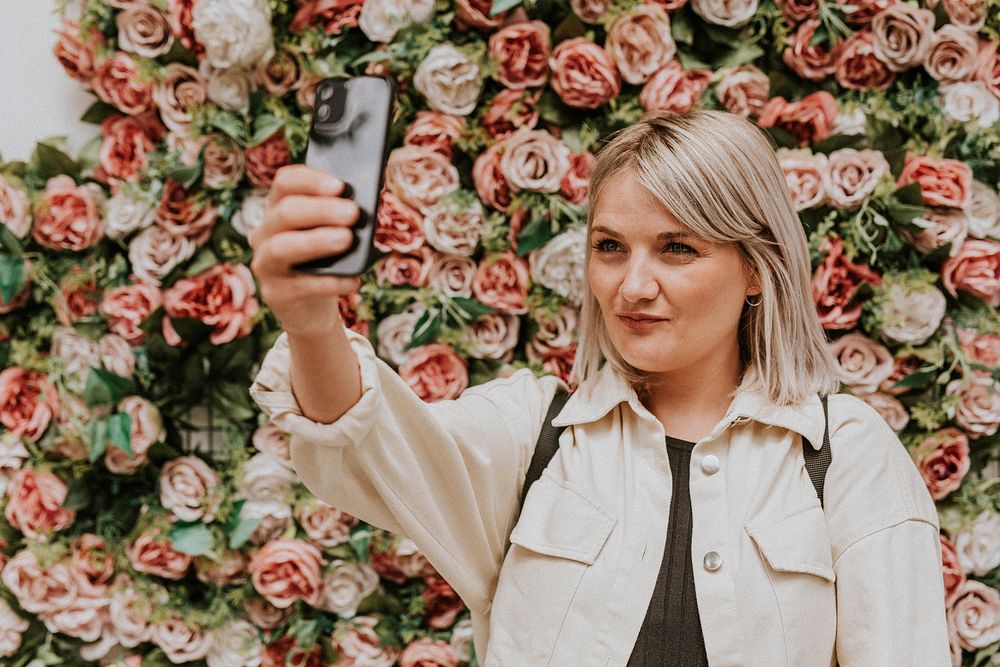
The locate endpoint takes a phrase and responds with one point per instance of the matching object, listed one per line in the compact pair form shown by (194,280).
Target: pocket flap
(797,543)
(558,521)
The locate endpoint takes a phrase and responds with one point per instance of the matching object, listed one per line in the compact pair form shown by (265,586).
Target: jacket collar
(608,388)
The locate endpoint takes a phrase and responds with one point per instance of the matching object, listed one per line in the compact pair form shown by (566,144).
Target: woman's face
(643,260)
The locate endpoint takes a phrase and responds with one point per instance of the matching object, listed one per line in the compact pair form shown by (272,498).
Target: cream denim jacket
(779,580)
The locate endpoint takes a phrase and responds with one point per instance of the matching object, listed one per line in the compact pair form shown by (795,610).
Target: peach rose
(521,52)
(427,652)
(28,402)
(449,80)
(411,269)
(68,217)
(488,178)
(810,61)
(943,461)
(804,173)
(265,615)
(590,11)
(743,90)
(978,409)
(154,554)
(852,175)
(976,615)
(155,251)
(144,31)
(967,14)
(265,159)
(182,214)
(583,73)
(348,304)
(324,525)
(862,364)
(575,186)
(554,334)
(119,82)
(795,11)
(75,50)
(83,618)
(675,89)
(889,408)
(640,43)
(511,110)
(189,488)
(452,275)
(222,297)
(974,269)
(858,67)
(455,227)
(12,627)
(420,176)
(271,440)
(224,162)
(229,569)
(902,35)
(952,55)
(92,565)
(808,120)
(902,367)
(940,227)
(127,306)
(502,281)
(38,590)
(286,570)
(15,210)
(954,575)
(181,639)
(980,348)
(126,142)
(943,182)
(34,503)
(728,13)
(282,73)
(534,160)
(436,130)
(494,336)
(78,296)
(435,372)
(441,603)
(359,645)
(332,15)
(178,94)
(988,66)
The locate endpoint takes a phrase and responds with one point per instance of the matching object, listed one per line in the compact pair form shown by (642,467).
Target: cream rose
(970,102)
(851,176)
(560,264)
(951,55)
(235,33)
(449,80)
(640,42)
(452,275)
(728,13)
(983,211)
(420,176)
(15,211)
(978,409)
(804,175)
(251,213)
(12,627)
(275,519)
(494,336)
(978,545)
(180,639)
(862,364)
(265,479)
(144,31)
(380,20)
(454,227)
(271,440)
(127,211)
(902,35)
(154,252)
(890,408)
(190,489)
(345,585)
(534,160)
(396,331)
(236,644)
(912,314)
(976,615)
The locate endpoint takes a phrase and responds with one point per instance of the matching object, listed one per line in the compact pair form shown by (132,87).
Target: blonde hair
(718,175)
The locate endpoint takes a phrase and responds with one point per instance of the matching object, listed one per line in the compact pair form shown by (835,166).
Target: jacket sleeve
(447,475)
(887,552)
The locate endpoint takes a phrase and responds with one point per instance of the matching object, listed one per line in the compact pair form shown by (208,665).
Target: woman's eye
(679,247)
(602,246)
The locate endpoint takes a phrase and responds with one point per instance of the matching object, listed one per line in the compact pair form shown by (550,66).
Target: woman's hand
(304,219)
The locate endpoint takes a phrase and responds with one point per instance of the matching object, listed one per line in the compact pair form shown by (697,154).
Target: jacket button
(710,464)
(713,560)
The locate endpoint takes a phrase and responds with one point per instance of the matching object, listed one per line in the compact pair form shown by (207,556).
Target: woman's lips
(639,324)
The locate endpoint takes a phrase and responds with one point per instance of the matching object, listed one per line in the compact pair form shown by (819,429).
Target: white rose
(984,212)
(452,275)
(154,252)
(83,618)
(559,264)
(461,640)
(129,613)
(851,121)
(345,585)
(970,101)
(449,80)
(494,336)
(12,452)
(454,228)
(913,314)
(729,13)
(978,545)
(180,640)
(265,479)
(275,518)
(236,644)
(396,331)
(230,88)
(11,628)
(534,160)
(235,33)
(15,210)
(116,355)
(978,409)
(77,356)
(380,20)
(251,213)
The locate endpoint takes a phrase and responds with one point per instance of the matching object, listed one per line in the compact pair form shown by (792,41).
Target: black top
(671,632)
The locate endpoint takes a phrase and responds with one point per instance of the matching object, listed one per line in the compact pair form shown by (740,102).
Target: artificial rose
(127,212)
(224,162)
(76,354)
(265,478)
(978,545)
(227,568)
(126,142)
(975,269)
(978,409)
(228,88)
(861,12)
(943,182)
(967,14)
(236,644)
(728,13)
(144,31)
(858,66)
(251,213)
(75,50)
(590,11)
(266,158)
(153,553)
(575,186)
(976,615)
(912,313)
(477,14)
(286,651)
(411,269)
(178,95)
(449,80)
(954,575)
(952,54)
(810,61)
(675,89)
(462,640)
(555,334)
(796,11)
(189,488)
(15,211)
(127,306)
(380,20)
(83,618)
(902,367)
(396,331)
(324,525)
(435,129)
(399,227)
(119,82)
(980,348)
(851,176)
(521,52)
(286,570)
(358,645)
(68,217)
(420,176)
(534,160)
(181,639)
(889,408)
(271,440)
(182,213)
(988,66)
(560,264)
(494,336)
(427,652)
(34,503)
(38,590)
(129,613)
(502,281)
(640,43)
(334,15)
(441,603)
(809,120)
(453,227)
(282,73)
(583,73)
(275,520)
(146,430)
(435,372)
(487,176)
(12,627)
(940,227)
(943,461)
(743,90)
(861,363)
(345,585)
(970,102)
(28,402)
(235,33)
(902,35)
(804,174)
(265,615)
(220,297)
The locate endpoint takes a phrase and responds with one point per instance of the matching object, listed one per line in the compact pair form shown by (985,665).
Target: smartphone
(349,138)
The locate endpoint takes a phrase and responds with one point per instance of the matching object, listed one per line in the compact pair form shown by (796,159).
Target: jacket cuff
(272,391)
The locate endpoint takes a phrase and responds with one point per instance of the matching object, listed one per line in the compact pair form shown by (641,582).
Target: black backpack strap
(548,442)
(817,461)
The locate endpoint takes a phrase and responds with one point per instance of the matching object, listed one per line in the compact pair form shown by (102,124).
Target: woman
(676,523)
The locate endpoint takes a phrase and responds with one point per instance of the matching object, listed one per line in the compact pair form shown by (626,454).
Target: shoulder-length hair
(718,175)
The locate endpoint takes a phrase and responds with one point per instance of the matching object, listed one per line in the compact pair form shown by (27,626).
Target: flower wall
(149,511)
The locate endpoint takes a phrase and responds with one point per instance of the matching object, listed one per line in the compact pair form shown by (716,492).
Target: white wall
(38,100)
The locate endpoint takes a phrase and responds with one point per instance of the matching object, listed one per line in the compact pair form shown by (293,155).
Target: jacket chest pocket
(556,541)
(795,553)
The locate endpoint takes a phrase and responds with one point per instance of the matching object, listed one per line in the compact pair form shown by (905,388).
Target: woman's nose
(638,283)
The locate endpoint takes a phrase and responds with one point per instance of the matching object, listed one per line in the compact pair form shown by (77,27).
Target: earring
(754,304)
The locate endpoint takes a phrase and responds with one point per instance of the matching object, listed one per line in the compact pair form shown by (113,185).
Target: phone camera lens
(325,92)
(323,113)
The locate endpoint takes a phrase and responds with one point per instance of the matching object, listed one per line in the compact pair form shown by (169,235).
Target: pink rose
(69,216)
(494,336)
(453,275)
(441,603)
(978,409)
(435,372)
(155,554)
(189,488)
(795,11)
(476,14)
(640,42)
(265,615)
(943,461)
(902,35)
(146,430)
(270,439)
(862,364)
(332,15)
(889,408)
(804,174)
(435,129)
(509,111)
(11,628)
(943,182)
(808,120)
(902,367)
(286,570)
(420,176)
(265,159)
(976,615)
(28,402)
(836,284)
(282,73)
(144,31)
(220,297)
(502,282)
(584,75)
(79,296)
(358,644)
(988,66)
(116,355)
(15,210)
(852,175)
(863,11)
(743,90)
(858,67)
(181,640)
(324,525)
(127,140)
(591,11)
(967,14)
(979,348)
(953,55)
(810,61)
(487,176)
(521,51)
(974,269)
(182,24)
(34,503)
(951,567)
(411,269)
(127,306)
(119,82)
(675,89)
(224,162)
(92,565)
(75,50)
(230,568)
(575,186)
(38,590)
(940,227)
(178,94)
(348,305)
(534,160)
(426,652)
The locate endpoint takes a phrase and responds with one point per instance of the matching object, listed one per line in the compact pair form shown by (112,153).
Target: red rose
(808,120)
(127,306)
(221,297)
(154,554)
(126,141)
(28,402)
(943,460)
(75,50)
(286,570)
(810,61)
(332,15)
(576,182)
(92,565)
(427,652)
(411,269)
(183,214)
(487,176)
(954,573)
(863,11)
(974,269)
(264,159)
(436,130)
(511,110)
(68,216)
(942,182)
(348,303)
(902,367)
(435,372)
(79,296)
(521,51)
(797,10)
(400,227)
(34,503)
(285,652)
(674,89)
(583,74)
(182,24)
(743,90)
(988,69)
(502,282)
(835,285)
(857,66)
(119,83)
(476,14)
(441,603)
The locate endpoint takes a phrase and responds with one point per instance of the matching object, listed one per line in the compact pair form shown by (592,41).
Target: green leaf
(743,53)
(502,6)
(231,125)
(120,432)
(192,539)
(98,433)
(535,234)
(837,141)
(689,61)
(234,399)
(470,309)
(187,176)
(240,530)
(12,276)
(190,329)
(78,495)
(682,27)
(916,379)
(104,388)
(9,242)
(909,194)
(264,127)
(203,260)
(782,137)
(50,161)
(426,329)
(360,541)
(571,26)
(98,112)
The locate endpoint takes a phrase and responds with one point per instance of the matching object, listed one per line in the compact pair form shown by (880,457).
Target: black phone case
(349,138)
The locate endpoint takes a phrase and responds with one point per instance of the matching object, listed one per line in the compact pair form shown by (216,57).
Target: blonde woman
(676,524)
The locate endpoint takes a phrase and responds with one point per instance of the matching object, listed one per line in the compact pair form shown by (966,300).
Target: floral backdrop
(150,515)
